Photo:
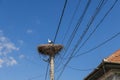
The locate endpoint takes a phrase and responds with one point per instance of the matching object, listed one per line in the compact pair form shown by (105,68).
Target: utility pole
(50,50)
(52,67)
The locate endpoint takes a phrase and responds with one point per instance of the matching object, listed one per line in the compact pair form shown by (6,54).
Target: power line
(78,69)
(31,61)
(77,26)
(60,59)
(84,33)
(60,20)
(46,71)
(70,23)
(90,22)
(93,17)
(88,25)
(35,77)
(98,25)
(88,3)
(101,44)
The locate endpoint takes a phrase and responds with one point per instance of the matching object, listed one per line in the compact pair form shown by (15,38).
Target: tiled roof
(111,62)
(114,58)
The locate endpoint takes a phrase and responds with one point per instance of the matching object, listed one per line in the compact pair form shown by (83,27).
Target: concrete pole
(52,67)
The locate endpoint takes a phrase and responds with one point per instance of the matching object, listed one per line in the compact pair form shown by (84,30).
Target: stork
(50,42)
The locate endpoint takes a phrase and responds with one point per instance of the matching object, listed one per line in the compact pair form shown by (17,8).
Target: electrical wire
(60,21)
(31,61)
(35,77)
(60,59)
(96,28)
(77,26)
(89,23)
(46,71)
(98,25)
(100,5)
(77,69)
(68,28)
(102,2)
(88,26)
(84,33)
(101,44)
(70,23)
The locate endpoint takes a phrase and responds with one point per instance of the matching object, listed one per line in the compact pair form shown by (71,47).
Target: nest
(49,49)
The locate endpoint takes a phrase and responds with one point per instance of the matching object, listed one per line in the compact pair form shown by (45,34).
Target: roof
(111,62)
(114,58)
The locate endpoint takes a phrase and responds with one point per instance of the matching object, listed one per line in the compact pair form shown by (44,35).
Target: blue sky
(24,24)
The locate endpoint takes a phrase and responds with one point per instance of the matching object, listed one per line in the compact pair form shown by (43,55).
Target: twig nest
(49,49)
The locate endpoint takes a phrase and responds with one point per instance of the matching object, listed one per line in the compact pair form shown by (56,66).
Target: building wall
(111,75)
(118,76)
(114,77)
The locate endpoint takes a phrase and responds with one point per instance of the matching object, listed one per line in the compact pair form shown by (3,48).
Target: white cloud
(29,31)
(10,61)
(1,62)
(6,47)
(7,61)
(21,56)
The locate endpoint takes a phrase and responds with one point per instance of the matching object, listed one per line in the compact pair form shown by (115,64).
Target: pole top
(49,49)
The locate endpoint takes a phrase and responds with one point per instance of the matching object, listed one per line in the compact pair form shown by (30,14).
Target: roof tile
(114,58)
